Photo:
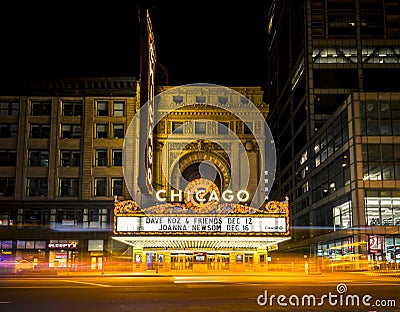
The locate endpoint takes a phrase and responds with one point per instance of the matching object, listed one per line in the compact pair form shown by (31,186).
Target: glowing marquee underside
(224,219)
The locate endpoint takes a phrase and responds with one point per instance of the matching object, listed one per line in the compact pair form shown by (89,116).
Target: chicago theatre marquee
(199,161)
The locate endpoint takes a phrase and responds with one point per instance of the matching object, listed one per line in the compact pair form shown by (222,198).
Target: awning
(200,243)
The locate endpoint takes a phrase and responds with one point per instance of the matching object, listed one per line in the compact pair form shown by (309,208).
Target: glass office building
(334,112)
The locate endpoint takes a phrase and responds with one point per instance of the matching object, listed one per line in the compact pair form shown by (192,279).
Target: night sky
(201,41)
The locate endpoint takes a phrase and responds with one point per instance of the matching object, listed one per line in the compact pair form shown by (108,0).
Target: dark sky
(196,41)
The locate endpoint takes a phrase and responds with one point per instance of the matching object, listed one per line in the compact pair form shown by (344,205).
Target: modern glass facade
(334,114)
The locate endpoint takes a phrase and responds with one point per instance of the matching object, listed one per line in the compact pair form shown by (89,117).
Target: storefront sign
(70,245)
(200,224)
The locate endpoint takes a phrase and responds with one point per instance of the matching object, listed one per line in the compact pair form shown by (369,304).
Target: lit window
(118,109)
(71,131)
(102,108)
(118,131)
(101,131)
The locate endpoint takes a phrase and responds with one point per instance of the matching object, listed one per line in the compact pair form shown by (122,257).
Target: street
(250,292)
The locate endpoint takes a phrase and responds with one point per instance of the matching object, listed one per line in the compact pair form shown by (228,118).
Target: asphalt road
(277,292)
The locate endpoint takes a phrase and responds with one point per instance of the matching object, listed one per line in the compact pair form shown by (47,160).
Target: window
(70,158)
(118,131)
(72,108)
(9,108)
(96,218)
(67,217)
(102,108)
(8,131)
(117,157)
(178,99)
(8,158)
(7,186)
(248,127)
(36,187)
(177,127)
(200,99)
(118,109)
(200,127)
(71,131)
(38,158)
(69,187)
(40,131)
(40,108)
(101,131)
(223,127)
(101,158)
(117,186)
(100,187)
(223,100)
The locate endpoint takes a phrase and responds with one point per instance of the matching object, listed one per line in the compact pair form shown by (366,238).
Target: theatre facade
(72,195)
(212,166)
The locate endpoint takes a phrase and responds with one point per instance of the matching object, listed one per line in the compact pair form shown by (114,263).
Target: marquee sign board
(240,221)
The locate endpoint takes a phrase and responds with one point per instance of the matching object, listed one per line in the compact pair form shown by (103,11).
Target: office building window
(9,108)
(7,186)
(8,158)
(101,131)
(40,108)
(118,108)
(40,131)
(100,187)
(381,161)
(38,158)
(71,131)
(382,208)
(117,157)
(70,158)
(200,127)
(117,186)
(72,108)
(118,131)
(102,108)
(8,131)
(69,187)
(36,187)
(342,214)
(101,158)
